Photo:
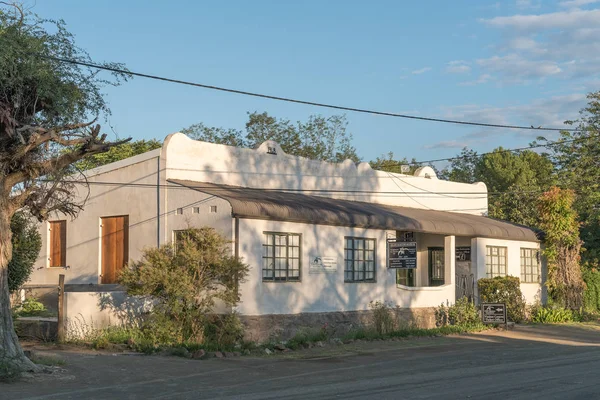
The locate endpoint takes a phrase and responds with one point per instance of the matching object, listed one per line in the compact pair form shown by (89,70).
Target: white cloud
(449,144)
(548,112)
(421,71)
(458,67)
(576,3)
(527,4)
(557,20)
(517,69)
(483,78)
(563,45)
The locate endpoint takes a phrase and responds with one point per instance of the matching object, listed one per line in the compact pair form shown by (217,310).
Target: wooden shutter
(115,247)
(58,243)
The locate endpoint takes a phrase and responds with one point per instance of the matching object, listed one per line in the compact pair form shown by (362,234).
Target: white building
(315,234)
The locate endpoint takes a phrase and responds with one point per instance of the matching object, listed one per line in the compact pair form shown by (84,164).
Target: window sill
(422,288)
(360,281)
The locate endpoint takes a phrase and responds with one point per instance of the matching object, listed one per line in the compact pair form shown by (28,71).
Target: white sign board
(322,264)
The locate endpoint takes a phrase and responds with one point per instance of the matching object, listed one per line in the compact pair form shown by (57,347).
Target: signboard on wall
(322,265)
(463,253)
(493,313)
(401,255)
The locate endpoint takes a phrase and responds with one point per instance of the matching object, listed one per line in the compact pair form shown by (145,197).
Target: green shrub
(556,315)
(185,283)
(30,307)
(504,290)
(382,317)
(26,242)
(591,294)
(461,313)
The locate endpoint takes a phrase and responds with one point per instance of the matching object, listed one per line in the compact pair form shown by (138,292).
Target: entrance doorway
(436,266)
(115,247)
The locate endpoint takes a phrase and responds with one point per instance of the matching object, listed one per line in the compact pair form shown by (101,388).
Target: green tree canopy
(48,110)
(318,138)
(27,243)
(118,153)
(577,160)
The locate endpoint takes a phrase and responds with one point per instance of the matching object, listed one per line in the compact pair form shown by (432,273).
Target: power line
(361,192)
(549,144)
(290,100)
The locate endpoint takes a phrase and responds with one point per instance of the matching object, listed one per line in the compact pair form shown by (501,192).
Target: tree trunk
(12,359)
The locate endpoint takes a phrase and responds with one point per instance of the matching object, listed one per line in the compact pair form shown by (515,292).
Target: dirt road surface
(529,362)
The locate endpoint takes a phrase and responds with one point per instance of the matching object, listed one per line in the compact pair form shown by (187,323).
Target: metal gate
(465,286)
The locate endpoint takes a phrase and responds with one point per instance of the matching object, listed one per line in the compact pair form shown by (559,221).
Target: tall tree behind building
(318,138)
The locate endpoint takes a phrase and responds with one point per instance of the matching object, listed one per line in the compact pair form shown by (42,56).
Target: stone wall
(275,327)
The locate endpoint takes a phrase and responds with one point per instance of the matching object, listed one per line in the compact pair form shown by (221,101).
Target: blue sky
(517,62)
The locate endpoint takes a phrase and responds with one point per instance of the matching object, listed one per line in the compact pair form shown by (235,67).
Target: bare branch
(41,135)
(18,8)
(92,144)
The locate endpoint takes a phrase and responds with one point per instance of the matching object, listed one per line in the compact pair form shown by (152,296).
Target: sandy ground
(529,362)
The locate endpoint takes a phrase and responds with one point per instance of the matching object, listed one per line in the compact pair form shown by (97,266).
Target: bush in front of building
(185,281)
(504,289)
(591,294)
(26,242)
(461,313)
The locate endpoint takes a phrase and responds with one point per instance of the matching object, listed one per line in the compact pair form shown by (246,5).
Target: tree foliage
(26,242)
(118,153)
(514,181)
(560,224)
(186,280)
(387,163)
(577,161)
(318,138)
(48,112)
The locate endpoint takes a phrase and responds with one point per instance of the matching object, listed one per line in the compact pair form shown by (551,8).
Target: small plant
(553,315)
(504,289)
(30,307)
(461,313)
(383,317)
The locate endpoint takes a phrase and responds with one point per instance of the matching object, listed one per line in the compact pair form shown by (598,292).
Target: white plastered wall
(533,292)
(325,292)
(188,159)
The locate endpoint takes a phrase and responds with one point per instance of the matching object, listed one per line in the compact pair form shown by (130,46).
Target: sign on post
(401,255)
(493,313)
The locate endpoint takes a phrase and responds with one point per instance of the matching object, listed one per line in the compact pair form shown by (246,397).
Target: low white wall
(86,311)
(325,292)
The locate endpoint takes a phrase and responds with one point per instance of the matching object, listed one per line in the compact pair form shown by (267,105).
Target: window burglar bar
(359,260)
(281,257)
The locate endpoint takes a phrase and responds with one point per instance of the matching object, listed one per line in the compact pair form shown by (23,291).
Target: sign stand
(494,313)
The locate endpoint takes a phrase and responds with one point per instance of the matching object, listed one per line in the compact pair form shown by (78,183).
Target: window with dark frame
(359,259)
(530,266)
(495,261)
(405,277)
(58,244)
(281,257)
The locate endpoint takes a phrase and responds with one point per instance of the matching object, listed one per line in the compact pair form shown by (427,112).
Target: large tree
(319,138)
(514,180)
(577,159)
(48,110)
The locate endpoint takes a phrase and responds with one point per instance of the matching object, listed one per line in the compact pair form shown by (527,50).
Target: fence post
(61,310)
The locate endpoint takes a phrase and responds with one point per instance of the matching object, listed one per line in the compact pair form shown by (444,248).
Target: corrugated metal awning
(297,207)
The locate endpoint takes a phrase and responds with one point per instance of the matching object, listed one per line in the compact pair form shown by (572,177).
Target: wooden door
(58,243)
(115,247)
